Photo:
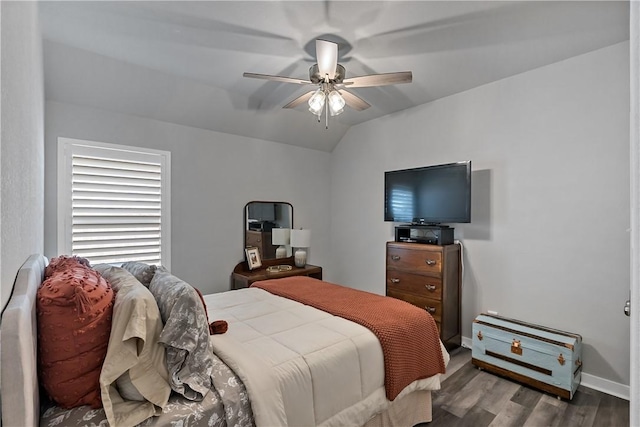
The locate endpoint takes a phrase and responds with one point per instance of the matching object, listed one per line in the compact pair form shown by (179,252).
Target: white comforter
(302,366)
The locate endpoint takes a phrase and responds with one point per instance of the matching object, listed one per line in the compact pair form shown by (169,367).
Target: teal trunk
(543,358)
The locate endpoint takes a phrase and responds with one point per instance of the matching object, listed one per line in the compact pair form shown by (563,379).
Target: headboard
(19,370)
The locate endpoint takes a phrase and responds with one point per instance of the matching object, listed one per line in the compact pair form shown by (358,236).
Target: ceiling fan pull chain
(326,117)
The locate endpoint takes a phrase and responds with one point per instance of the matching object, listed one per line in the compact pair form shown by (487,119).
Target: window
(402,203)
(113,202)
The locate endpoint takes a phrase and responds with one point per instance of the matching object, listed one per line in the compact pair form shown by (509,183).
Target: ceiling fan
(329,77)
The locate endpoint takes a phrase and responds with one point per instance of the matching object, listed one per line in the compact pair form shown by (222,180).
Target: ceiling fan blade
(277,78)
(299,100)
(327,56)
(354,101)
(379,79)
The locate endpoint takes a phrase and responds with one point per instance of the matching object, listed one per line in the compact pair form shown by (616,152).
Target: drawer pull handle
(430,261)
(561,359)
(578,363)
(395,280)
(430,288)
(480,336)
(395,257)
(431,310)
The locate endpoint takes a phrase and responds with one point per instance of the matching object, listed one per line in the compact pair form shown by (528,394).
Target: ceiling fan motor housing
(315,77)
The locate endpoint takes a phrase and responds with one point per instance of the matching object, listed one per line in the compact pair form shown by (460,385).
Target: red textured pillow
(74,308)
(64,262)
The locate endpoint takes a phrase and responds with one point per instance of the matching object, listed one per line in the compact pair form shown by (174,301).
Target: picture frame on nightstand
(253,257)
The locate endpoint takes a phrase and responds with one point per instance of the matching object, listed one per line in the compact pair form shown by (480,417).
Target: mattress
(300,365)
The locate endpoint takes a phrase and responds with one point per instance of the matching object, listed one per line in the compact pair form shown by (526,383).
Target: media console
(427,234)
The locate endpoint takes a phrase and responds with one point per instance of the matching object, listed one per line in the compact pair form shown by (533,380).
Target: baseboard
(590,381)
(467,343)
(606,386)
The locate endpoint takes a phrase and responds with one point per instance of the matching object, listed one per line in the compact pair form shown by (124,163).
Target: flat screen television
(429,195)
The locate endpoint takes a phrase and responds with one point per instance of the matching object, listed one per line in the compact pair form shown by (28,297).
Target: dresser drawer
(418,260)
(254,238)
(425,286)
(433,307)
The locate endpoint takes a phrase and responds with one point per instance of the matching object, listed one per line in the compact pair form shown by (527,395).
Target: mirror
(260,218)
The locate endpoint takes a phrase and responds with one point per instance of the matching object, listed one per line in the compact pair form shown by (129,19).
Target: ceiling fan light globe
(316,102)
(336,103)
(317,112)
(335,112)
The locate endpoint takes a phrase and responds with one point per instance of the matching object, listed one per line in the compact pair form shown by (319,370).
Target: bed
(296,365)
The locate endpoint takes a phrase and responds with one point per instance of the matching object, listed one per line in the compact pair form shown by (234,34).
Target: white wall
(21,140)
(213,176)
(548,242)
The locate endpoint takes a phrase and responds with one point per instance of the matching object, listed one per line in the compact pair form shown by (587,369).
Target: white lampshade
(280,236)
(300,238)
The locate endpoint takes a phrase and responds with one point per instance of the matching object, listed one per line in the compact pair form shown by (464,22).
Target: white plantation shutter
(115,201)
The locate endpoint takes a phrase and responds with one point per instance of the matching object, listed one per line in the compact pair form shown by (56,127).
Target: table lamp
(280,236)
(300,240)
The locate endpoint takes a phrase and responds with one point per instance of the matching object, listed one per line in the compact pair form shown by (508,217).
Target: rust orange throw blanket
(408,335)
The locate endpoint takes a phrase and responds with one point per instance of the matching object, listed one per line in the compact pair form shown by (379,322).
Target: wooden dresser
(242,277)
(429,277)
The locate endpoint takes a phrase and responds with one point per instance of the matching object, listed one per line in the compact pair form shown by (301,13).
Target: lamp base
(300,258)
(281,251)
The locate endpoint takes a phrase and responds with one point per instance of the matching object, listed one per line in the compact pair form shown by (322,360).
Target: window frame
(67,147)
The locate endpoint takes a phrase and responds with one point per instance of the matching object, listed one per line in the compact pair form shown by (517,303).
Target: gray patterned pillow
(143,272)
(185,335)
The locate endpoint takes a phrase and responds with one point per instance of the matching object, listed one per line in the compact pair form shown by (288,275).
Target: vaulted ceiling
(182,62)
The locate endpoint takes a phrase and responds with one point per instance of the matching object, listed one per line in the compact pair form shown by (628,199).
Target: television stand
(422,233)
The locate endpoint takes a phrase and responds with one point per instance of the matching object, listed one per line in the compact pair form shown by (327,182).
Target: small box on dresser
(543,358)
(428,276)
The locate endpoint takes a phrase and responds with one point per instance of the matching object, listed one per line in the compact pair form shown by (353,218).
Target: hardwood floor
(474,398)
